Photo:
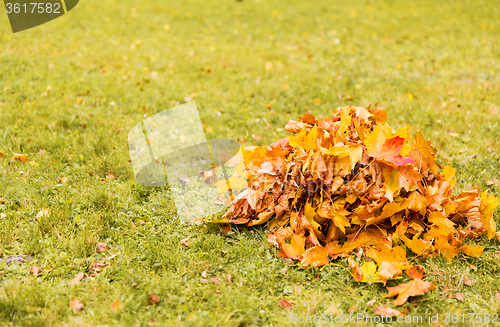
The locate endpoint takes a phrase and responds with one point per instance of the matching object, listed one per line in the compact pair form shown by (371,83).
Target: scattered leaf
(153,299)
(101,247)
(286,304)
(20,157)
(76,305)
(414,287)
(385,311)
(116,306)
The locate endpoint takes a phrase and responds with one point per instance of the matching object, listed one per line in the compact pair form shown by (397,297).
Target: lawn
(74,87)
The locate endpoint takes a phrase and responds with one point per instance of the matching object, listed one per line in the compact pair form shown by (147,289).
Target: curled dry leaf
(153,299)
(76,305)
(101,247)
(385,311)
(286,304)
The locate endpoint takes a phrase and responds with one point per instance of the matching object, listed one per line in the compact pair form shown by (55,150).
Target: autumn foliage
(349,182)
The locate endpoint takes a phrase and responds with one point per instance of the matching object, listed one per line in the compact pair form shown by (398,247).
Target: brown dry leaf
(185,243)
(228,278)
(20,157)
(204,274)
(497,296)
(468,281)
(77,279)
(153,299)
(352,308)
(256,137)
(116,306)
(98,266)
(286,304)
(203,281)
(76,305)
(215,280)
(385,311)
(460,297)
(371,302)
(35,270)
(493,181)
(412,288)
(101,247)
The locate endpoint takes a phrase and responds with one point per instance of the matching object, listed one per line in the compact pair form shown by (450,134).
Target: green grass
(433,65)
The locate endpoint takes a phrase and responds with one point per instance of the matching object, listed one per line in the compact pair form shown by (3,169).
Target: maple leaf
(414,287)
(380,146)
(315,256)
(306,140)
(422,152)
(488,205)
(293,250)
(473,251)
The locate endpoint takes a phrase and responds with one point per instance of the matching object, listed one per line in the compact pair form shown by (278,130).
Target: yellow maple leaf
(304,140)
(473,251)
(486,208)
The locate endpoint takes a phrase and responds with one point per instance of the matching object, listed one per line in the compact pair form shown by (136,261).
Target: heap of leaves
(349,183)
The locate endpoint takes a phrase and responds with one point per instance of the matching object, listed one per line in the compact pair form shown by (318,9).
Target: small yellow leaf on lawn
(473,251)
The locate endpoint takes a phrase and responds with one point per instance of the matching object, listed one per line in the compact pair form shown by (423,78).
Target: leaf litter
(349,183)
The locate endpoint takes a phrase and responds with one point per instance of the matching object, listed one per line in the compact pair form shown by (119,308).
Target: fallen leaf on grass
(76,305)
(35,270)
(460,296)
(204,274)
(412,288)
(101,247)
(468,281)
(385,311)
(2,215)
(153,299)
(77,279)
(98,266)
(352,308)
(493,181)
(497,296)
(371,302)
(473,251)
(286,304)
(203,281)
(116,306)
(185,243)
(20,157)
(215,280)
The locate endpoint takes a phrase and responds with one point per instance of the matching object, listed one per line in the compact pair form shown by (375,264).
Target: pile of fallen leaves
(350,184)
